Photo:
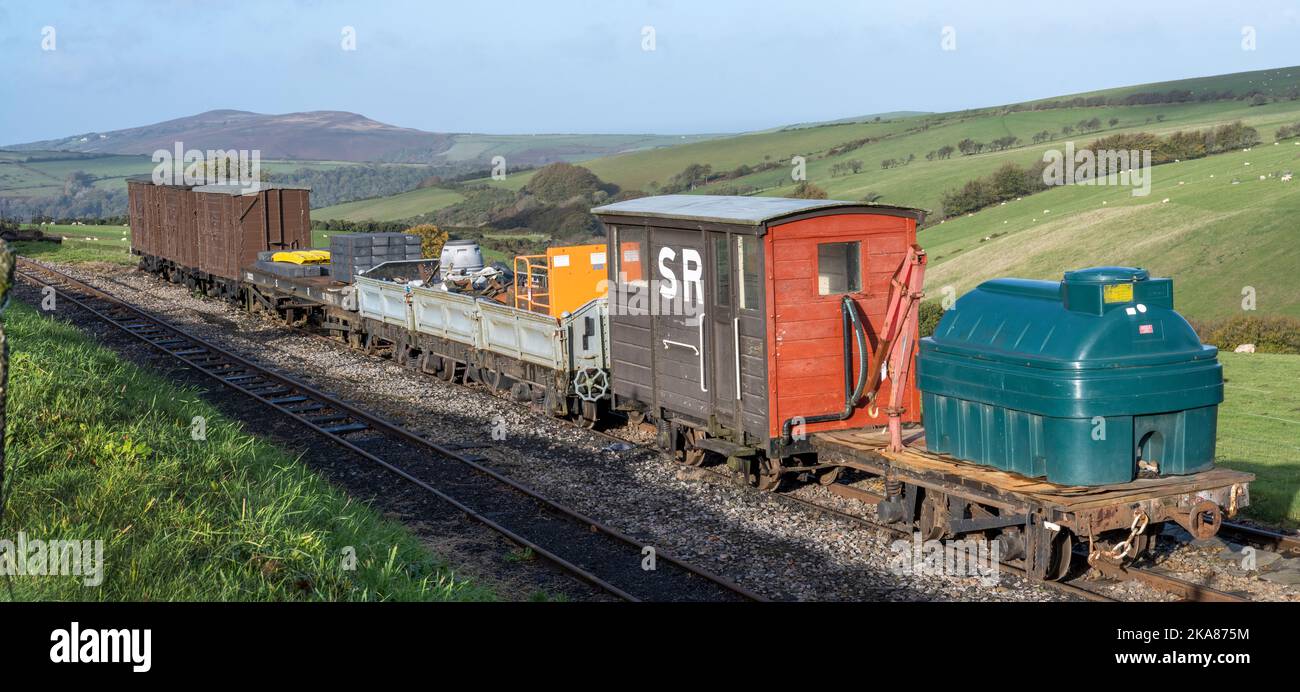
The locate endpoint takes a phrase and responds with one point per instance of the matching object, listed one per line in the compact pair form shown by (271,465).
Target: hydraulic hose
(852,390)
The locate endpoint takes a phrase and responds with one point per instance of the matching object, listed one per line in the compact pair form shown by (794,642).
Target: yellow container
(302,257)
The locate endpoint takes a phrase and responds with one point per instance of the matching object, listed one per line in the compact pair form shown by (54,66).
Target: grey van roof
(752,211)
(240,189)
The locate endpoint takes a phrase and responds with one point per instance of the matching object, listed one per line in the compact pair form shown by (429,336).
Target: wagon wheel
(766,473)
(472,374)
(448,369)
(1062,555)
(587,415)
(689,454)
(1142,543)
(933,523)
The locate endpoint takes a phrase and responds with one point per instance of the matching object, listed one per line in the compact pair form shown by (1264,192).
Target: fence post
(7,258)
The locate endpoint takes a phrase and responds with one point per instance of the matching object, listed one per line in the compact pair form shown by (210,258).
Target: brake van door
(681,322)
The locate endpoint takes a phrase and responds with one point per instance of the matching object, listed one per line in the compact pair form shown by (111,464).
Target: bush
(1270,334)
(559,182)
(432,239)
(807,190)
(928,317)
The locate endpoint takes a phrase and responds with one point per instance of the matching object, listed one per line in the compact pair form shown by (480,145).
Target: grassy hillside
(19,177)
(402,206)
(1259,431)
(553,147)
(922,183)
(1213,236)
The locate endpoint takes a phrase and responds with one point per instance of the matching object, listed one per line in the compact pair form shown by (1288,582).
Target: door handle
(735,349)
(701,352)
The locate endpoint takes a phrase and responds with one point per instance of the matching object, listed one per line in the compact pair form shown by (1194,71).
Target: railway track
(1270,539)
(591,551)
(1181,588)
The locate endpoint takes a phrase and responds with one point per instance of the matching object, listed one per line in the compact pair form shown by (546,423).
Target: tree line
(1012,180)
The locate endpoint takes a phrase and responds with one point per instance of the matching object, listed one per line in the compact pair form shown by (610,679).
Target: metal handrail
(530,299)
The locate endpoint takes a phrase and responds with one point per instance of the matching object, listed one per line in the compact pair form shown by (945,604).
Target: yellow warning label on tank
(1117,293)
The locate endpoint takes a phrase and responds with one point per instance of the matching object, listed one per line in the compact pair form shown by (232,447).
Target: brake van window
(631,256)
(747,251)
(721,270)
(837,268)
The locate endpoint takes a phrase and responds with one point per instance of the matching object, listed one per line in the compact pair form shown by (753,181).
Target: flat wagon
(560,363)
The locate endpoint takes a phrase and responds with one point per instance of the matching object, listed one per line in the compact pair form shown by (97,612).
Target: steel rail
(1168,583)
(1272,539)
(240,373)
(1164,582)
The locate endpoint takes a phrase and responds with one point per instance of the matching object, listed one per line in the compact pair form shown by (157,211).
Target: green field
(45,178)
(403,206)
(568,147)
(1213,237)
(82,244)
(922,183)
(1259,431)
(99,449)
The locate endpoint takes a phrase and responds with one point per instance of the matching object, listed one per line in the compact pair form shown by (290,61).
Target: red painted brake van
(730,318)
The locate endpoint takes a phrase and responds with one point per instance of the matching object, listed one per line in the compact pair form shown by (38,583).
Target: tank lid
(461,242)
(1106,275)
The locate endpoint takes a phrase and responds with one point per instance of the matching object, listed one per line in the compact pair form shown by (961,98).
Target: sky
(618,66)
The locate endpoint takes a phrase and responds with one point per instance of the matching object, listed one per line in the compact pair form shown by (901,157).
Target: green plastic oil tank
(1085,381)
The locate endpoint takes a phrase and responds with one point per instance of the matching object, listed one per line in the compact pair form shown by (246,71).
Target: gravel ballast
(775,548)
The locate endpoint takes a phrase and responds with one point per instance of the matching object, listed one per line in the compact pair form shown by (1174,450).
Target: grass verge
(1259,431)
(100,449)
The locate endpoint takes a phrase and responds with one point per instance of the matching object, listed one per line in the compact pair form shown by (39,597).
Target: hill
(392,208)
(344,136)
(829,148)
(1222,229)
(315,135)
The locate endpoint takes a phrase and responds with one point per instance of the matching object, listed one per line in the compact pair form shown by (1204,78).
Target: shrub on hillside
(559,182)
(1270,334)
(807,190)
(928,316)
(1287,132)
(1008,182)
(432,239)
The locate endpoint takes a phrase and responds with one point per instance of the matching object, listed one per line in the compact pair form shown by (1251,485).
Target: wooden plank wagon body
(728,315)
(204,235)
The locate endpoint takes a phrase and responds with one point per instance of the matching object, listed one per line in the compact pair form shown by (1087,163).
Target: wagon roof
(239,189)
(753,211)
